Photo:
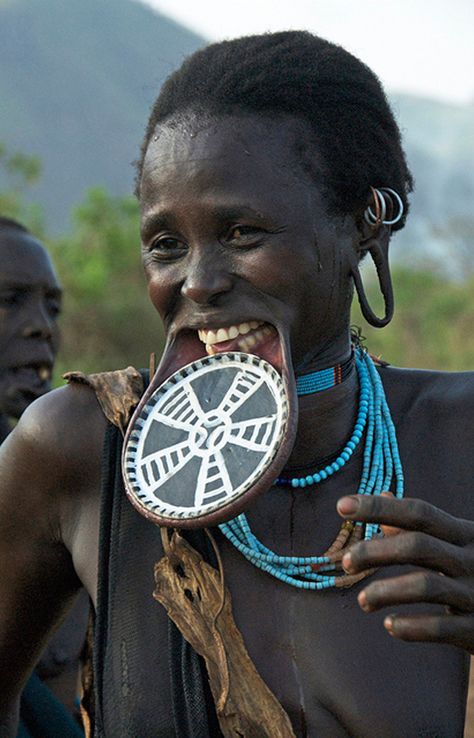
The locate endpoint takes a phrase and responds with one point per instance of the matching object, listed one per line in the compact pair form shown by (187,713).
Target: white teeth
(233,332)
(227,334)
(246,340)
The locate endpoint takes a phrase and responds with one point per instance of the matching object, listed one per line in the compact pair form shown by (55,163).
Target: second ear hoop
(387,202)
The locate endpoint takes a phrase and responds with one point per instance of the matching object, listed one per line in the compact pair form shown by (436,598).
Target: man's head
(30,299)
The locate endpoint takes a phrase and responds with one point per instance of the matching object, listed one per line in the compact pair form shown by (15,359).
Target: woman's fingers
(420,586)
(409,514)
(418,549)
(458,630)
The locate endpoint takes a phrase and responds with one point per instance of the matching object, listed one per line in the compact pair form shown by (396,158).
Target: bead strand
(346,453)
(381,463)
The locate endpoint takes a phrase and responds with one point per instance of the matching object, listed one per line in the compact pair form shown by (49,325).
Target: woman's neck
(325,423)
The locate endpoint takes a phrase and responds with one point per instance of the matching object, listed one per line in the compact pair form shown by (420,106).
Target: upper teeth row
(227,334)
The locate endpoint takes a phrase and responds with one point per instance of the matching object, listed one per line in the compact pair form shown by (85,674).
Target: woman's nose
(207,278)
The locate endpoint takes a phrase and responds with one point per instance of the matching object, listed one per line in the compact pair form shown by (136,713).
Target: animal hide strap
(197,601)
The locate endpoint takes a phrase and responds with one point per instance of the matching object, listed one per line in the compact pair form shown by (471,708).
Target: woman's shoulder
(60,430)
(430,390)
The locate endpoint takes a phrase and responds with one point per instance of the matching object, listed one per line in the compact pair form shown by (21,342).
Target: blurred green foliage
(19,173)
(108,321)
(433,323)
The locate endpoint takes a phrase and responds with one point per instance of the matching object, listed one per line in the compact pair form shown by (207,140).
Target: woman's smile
(237,245)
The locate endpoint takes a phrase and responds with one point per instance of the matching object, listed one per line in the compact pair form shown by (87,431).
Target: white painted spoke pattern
(245,384)
(163,464)
(253,434)
(183,410)
(224,444)
(213,479)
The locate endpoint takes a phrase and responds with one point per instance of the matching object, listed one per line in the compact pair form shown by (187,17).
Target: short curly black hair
(297,73)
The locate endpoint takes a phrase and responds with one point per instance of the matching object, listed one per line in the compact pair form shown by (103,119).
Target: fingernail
(362,600)
(388,623)
(347,562)
(347,505)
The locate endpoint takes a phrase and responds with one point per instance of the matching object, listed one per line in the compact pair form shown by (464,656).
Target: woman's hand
(421,535)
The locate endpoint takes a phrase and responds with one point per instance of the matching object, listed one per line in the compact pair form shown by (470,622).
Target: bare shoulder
(51,458)
(444,396)
(433,415)
(61,432)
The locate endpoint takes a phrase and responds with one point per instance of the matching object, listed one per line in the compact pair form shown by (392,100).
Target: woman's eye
(246,235)
(167,247)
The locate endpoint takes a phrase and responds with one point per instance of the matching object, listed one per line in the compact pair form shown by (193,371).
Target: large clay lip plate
(261,477)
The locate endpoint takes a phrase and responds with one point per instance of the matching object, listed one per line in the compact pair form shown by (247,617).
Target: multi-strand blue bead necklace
(381,466)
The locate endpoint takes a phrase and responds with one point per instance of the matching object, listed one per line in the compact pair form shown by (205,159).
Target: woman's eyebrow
(155,222)
(236,212)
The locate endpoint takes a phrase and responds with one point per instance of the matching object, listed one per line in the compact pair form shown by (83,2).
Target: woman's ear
(374,240)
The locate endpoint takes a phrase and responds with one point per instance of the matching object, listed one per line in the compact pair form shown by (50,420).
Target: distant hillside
(77,78)
(439,140)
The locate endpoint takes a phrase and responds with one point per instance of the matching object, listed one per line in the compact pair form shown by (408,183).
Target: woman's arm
(45,468)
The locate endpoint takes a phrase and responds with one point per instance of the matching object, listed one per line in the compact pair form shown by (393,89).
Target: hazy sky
(420,46)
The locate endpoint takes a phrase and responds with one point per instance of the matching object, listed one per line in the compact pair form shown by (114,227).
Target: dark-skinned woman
(340,588)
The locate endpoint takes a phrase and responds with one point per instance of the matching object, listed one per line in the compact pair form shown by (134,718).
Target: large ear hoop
(387,210)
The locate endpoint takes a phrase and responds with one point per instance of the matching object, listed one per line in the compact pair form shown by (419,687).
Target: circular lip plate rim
(239,500)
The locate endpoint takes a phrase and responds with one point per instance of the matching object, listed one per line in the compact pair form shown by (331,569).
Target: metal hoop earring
(383,201)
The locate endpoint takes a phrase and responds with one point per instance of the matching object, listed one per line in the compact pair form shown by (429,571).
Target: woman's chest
(335,669)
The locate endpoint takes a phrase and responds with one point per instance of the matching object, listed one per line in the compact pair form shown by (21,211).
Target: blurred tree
(18,173)
(432,327)
(108,321)
(458,233)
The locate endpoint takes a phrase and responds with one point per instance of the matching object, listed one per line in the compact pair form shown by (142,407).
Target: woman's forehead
(218,152)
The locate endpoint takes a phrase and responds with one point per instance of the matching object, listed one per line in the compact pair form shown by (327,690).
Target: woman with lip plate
(271,166)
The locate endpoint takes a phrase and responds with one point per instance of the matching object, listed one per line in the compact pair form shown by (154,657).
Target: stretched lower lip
(186,346)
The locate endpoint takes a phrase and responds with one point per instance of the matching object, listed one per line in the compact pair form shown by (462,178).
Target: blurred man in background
(30,299)
(30,302)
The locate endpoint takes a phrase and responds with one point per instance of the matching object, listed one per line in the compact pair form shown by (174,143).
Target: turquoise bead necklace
(381,464)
